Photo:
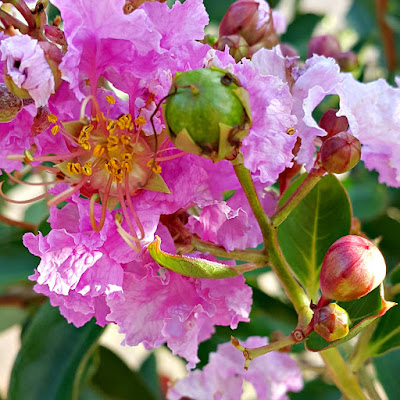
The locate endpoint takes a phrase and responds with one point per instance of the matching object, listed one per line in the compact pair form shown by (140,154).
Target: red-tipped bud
(333,124)
(10,105)
(326,45)
(347,60)
(252,20)
(352,268)
(340,153)
(238,47)
(288,51)
(331,322)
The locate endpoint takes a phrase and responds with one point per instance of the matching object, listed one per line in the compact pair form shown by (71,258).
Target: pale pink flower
(272,375)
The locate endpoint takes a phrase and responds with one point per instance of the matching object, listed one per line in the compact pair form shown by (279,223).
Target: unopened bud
(331,322)
(238,47)
(352,267)
(207,113)
(288,50)
(325,45)
(348,61)
(10,105)
(53,56)
(340,153)
(333,124)
(56,35)
(41,121)
(252,20)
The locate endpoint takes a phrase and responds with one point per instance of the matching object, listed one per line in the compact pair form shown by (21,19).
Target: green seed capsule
(208,113)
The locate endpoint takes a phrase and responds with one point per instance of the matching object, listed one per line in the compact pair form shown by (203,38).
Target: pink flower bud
(251,19)
(325,45)
(333,124)
(352,268)
(331,322)
(238,47)
(288,51)
(340,153)
(348,61)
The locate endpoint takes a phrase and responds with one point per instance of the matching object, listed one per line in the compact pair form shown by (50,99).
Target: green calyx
(207,113)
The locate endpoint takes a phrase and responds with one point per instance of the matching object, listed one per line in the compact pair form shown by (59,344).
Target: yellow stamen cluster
(84,136)
(110,99)
(140,120)
(78,168)
(125,122)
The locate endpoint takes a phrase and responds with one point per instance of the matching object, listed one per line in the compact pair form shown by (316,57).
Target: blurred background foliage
(60,362)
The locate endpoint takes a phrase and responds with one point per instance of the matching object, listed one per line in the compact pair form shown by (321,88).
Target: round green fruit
(207,113)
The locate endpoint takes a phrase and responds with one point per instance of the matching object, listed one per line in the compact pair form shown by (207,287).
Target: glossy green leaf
(188,266)
(47,366)
(16,263)
(148,371)
(386,336)
(313,226)
(361,313)
(387,371)
(317,390)
(113,379)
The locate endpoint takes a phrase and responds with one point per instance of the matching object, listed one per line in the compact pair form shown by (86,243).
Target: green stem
(368,383)
(361,354)
(277,262)
(256,257)
(341,374)
(298,195)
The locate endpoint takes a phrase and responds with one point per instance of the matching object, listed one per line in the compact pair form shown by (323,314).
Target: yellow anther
(118,218)
(52,118)
(127,165)
(140,120)
(112,126)
(155,168)
(113,143)
(107,167)
(124,121)
(86,145)
(87,169)
(110,99)
(125,139)
(74,168)
(115,164)
(127,157)
(129,148)
(55,129)
(28,157)
(87,129)
(96,117)
(291,131)
(98,150)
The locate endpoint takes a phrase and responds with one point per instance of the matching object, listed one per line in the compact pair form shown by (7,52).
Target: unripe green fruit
(208,113)
(331,322)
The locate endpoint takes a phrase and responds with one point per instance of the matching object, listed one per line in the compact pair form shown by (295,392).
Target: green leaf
(15,260)
(47,366)
(317,390)
(148,371)
(361,313)
(300,30)
(387,371)
(193,267)
(113,379)
(313,226)
(10,316)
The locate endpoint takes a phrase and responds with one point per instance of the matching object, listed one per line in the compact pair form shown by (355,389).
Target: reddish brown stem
(19,224)
(389,45)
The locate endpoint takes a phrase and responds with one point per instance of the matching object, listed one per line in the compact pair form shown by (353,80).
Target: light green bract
(207,113)
(188,266)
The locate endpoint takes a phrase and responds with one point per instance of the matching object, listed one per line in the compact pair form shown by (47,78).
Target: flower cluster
(96,126)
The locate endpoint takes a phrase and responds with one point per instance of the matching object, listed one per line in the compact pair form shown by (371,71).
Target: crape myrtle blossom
(372,110)
(272,376)
(27,67)
(96,274)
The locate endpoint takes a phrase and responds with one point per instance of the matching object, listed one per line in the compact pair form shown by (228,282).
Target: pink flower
(272,375)
(27,67)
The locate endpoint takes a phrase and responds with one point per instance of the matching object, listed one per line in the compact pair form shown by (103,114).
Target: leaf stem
(297,196)
(256,257)
(368,383)
(341,374)
(276,259)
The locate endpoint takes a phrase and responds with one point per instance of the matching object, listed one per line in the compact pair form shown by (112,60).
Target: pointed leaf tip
(190,266)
